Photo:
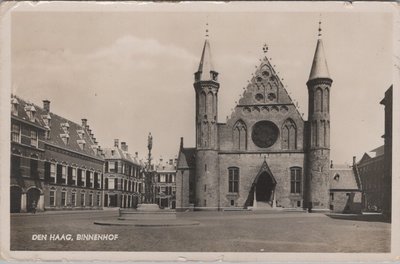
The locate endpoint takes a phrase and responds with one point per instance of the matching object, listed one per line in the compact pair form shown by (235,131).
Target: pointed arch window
(209,108)
(240,135)
(203,103)
(326,99)
(318,100)
(289,135)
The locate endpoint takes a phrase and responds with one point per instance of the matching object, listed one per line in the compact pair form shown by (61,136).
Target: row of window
(71,200)
(73,176)
(121,167)
(167,190)
(122,185)
(167,178)
(234,175)
(16,135)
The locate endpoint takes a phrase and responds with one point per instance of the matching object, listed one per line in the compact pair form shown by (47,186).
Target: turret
(206,86)
(318,147)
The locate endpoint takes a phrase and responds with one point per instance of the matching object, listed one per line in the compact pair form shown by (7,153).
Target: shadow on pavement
(361,217)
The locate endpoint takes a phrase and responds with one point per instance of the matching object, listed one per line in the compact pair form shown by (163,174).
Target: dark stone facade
(55,163)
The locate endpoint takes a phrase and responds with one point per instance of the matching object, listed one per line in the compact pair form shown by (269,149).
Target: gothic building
(265,155)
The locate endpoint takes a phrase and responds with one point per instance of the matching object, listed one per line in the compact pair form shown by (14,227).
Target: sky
(130,73)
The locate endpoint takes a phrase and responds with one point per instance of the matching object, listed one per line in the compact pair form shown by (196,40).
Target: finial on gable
(319,27)
(207,35)
(265,48)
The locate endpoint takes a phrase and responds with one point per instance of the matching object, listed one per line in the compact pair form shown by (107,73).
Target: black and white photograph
(198,128)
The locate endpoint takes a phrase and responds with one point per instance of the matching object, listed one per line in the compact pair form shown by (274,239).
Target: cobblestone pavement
(218,231)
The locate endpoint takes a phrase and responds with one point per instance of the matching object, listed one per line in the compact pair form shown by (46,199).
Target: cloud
(125,89)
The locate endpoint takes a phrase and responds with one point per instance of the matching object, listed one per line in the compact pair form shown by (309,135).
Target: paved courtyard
(217,231)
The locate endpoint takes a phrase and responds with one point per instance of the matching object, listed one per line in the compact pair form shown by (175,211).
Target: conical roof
(206,65)
(319,67)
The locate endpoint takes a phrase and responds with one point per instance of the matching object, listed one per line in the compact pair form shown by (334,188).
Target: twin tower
(212,172)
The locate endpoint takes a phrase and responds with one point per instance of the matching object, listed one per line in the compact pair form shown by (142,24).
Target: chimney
(331,164)
(124,147)
(84,123)
(46,105)
(181,143)
(170,161)
(354,160)
(136,154)
(116,143)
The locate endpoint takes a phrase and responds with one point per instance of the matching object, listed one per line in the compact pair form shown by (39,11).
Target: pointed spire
(206,70)
(206,65)
(319,67)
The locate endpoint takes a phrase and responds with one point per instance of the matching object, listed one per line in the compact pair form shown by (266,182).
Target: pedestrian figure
(34,207)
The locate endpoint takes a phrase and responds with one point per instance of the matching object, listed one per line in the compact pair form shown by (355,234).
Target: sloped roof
(22,114)
(186,158)
(165,167)
(346,179)
(379,151)
(118,153)
(56,130)
(319,68)
(206,64)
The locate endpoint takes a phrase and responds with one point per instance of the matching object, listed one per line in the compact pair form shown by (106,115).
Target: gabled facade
(345,189)
(165,183)
(124,177)
(265,154)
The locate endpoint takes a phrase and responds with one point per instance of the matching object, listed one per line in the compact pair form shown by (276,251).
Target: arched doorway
(32,195)
(15,199)
(262,192)
(265,187)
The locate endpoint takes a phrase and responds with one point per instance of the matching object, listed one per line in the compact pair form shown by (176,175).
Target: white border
(8,7)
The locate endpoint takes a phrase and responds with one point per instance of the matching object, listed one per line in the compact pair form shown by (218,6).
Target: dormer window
(14,106)
(336,177)
(80,133)
(30,111)
(47,120)
(65,138)
(81,143)
(65,127)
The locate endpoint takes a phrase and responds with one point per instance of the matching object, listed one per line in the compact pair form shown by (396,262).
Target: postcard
(212,131)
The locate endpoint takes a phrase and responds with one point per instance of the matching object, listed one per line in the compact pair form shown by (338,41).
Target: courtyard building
(345,189)
(27,157)
(124,176)
(388,137)
(265,155)
(165,183)
(67,174)
(371,170)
